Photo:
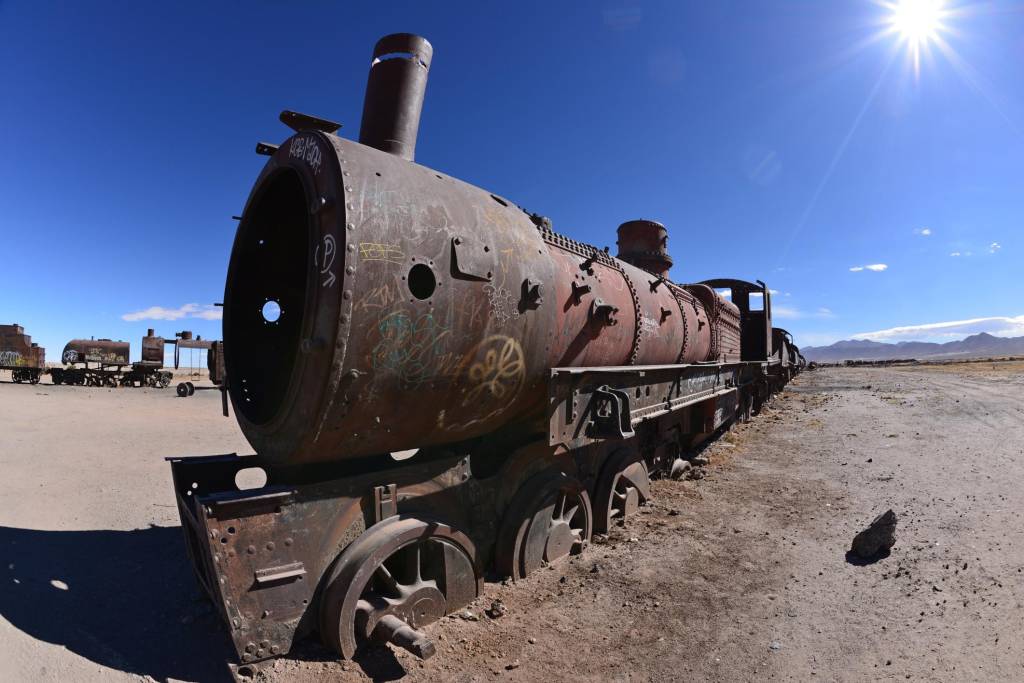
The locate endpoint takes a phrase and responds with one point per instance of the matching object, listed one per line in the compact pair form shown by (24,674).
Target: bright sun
(919,24)
(917,21)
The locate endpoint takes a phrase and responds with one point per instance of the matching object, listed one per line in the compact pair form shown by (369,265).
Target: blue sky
(787,141)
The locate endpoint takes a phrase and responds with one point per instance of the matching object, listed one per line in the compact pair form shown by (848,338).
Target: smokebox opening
(265,300)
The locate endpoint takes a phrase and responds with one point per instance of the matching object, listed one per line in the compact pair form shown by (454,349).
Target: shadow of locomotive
(123,599)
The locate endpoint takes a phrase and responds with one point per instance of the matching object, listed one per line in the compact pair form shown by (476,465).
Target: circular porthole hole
(422,281)
(271,311)
(249,478)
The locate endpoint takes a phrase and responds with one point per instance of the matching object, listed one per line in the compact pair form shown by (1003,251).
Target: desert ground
(739,576)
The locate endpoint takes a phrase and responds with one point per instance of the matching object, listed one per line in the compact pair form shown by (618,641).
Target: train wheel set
(374,558)
(29,375)
(439,387)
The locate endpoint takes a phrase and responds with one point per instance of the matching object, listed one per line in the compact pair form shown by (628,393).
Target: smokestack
(394,94)
(149,332)
(644,244)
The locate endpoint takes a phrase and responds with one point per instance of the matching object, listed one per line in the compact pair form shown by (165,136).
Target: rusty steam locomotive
(105,362)
(456,390)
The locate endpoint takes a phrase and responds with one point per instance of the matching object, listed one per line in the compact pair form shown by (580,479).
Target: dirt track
(740,576)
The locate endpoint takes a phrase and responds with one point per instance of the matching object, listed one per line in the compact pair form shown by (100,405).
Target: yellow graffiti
(372,251)
(499,375)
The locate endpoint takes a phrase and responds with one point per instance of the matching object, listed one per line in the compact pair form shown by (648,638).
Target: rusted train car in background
(214,361)
(18,353)
(106,363)
(790,361)
(438,386)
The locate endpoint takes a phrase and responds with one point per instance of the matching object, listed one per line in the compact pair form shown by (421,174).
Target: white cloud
(1000,326)
(786,313)
(205,312)
(994,247)
(876,267)
(856,269)
(955,253)
(794,313)
(924,232)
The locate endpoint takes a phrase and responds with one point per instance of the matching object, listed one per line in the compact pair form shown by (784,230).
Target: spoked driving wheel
(400,575)
(549,519)
(624,486)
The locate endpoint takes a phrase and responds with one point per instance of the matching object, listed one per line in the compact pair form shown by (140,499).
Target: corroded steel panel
(103,351)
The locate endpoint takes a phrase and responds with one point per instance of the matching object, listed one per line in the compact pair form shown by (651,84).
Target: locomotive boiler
(437,385)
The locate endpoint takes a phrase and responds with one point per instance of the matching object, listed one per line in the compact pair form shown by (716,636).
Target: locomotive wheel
(191,388)
(182,389)
(623,487)
(34,379)
(549,519)
(165,380)
(398,576)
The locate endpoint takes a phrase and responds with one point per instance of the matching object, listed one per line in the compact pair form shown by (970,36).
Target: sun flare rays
(918,24)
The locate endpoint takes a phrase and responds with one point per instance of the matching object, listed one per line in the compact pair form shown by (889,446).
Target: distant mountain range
(976,346)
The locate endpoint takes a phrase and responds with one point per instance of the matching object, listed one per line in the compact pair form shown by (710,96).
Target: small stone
(496,610)
(673,512)
(775,646)
(596,569)
(531,640)
(514,664)
(466,615)
(699,460)
(877,538)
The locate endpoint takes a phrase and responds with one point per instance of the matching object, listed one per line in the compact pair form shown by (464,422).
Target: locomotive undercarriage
(30,375)
(373,550)
(112,377)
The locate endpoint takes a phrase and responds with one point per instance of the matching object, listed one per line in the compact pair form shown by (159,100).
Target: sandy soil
(739,576)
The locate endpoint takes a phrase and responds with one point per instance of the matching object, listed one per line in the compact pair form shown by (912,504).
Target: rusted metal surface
(18,353)
(755,323)
(408,292)
(394,94)
(438,385)
(723,323)
(102,352)
(215,362)
(644,244)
